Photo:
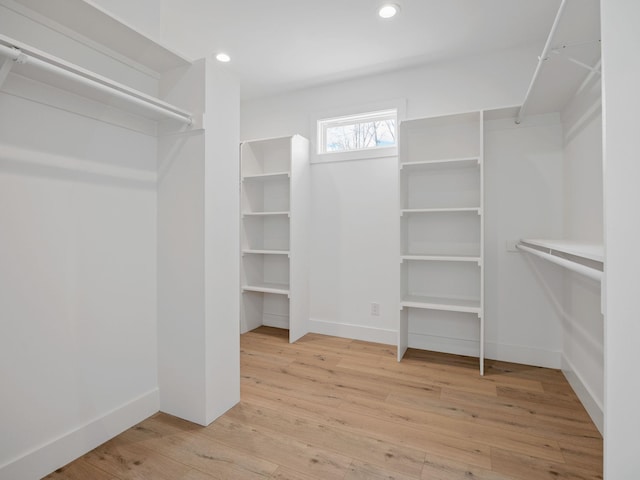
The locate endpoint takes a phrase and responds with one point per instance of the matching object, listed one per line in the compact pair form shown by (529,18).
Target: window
(352,133)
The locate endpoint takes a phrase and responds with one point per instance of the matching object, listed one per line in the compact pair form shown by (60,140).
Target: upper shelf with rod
(581,257)
(29,62)
(569,60)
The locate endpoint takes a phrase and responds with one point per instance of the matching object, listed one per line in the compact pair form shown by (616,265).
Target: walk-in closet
(318,239)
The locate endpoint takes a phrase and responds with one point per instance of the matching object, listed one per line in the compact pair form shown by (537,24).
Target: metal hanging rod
(541,59)
(17,56)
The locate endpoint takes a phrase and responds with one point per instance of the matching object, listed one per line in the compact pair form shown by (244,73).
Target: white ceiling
(281,45)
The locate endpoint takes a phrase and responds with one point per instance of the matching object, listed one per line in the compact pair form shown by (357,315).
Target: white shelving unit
(441,210)
(274,238)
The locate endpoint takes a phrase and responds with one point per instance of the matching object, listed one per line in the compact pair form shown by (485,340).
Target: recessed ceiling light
(223,57)
(389,10)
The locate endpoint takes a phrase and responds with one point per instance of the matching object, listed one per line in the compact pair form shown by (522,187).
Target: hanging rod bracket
(543,56)
(21,59)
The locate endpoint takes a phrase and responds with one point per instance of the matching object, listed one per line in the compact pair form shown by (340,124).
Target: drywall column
(621,102)
(198,238)
(222,240)
(582,320)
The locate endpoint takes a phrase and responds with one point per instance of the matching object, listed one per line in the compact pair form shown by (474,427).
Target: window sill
(367,154)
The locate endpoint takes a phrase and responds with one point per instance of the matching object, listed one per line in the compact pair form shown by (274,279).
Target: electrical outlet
(375,309)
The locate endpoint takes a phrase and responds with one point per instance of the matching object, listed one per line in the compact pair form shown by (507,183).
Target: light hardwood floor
(330,408)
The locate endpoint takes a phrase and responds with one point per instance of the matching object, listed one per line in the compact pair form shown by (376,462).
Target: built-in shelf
(106,29)
(275,199)
(408,211)
(582,257)
(265,252)
(588,250)
(265,214)
(442,303)
(266,176)
(441,258)
(275,288)
(441,224)
(444,162)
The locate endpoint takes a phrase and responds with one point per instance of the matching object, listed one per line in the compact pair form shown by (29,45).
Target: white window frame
(347,116)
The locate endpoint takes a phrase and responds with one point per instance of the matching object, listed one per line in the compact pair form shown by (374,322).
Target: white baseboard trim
(506,353)
(434,343)
(590,402)
(538,357)
(276,321)
(356,332)
(56,453)
(496,351)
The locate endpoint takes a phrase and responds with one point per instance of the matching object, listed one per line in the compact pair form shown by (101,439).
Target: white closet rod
(541,59)
(576,267)
(20,57)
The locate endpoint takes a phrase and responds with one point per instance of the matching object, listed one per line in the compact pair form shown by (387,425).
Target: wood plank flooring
(331,408)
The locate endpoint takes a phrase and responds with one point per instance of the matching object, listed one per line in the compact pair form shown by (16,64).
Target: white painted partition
(198,346)
(222,235)
(300,242)
(621,100)
(583,321)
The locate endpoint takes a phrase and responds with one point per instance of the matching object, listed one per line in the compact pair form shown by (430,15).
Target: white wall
(523,198)
(354,215)
(355,249)
(142,15)
(77,285)
(497,79)
(621,101)
(583,350)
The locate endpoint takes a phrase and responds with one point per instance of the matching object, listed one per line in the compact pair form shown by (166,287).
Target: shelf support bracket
(595,71)
(591,69)
(541,59)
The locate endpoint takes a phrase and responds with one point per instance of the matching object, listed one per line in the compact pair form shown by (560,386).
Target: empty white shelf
(444,162)
(263,214)
(439,210)
(267,288)
(266,176)
(592,251)
(90,20)
(266,252)
(441,258)
(440,303)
